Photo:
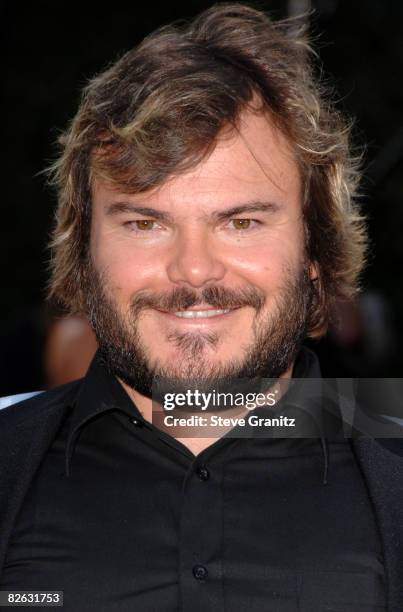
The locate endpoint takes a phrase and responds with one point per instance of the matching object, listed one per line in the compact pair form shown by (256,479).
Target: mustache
(181,298)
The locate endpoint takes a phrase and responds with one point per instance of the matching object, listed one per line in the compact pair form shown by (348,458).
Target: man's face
(206,275)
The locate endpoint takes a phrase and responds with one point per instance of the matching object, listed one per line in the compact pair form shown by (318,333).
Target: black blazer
(27,430)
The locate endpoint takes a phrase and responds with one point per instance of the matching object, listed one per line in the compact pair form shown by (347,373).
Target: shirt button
(200,572)
(136,422)
(203,473)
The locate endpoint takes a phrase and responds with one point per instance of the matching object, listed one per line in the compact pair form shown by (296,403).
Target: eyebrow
(116,208)
(248,207)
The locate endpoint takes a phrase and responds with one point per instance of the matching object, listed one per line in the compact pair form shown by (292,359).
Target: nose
(194,260)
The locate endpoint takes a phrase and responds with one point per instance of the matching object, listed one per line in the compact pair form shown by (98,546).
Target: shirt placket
(200,540)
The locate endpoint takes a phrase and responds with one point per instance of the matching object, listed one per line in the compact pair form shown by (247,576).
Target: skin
(194,248)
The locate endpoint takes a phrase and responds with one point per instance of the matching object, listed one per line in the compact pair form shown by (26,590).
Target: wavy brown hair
(159,111)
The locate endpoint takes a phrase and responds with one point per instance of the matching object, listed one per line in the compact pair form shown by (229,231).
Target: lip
(199,321)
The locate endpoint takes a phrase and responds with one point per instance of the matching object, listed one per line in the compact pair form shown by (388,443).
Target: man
(206,224)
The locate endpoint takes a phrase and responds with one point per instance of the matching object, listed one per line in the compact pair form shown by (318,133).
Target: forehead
(253,162)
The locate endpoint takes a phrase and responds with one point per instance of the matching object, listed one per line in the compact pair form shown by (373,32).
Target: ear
(313,271)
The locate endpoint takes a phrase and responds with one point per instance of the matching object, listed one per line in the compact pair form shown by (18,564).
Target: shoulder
(53,402)
(381,460)
(27,429)
(386,446)
(392,445)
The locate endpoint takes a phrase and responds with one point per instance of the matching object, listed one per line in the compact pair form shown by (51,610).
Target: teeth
(196,314)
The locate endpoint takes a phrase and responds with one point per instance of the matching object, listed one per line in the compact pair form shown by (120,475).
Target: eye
(144,224)
(244,224)
(141,225)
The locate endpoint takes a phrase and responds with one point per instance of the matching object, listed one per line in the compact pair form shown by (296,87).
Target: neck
(196,444)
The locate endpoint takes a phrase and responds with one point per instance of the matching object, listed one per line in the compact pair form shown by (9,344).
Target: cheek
(128,269)
(266,265)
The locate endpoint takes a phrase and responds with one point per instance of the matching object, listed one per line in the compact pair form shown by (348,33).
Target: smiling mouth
(200,314)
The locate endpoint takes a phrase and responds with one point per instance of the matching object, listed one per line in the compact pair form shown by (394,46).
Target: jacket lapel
(26,432)
(381,462)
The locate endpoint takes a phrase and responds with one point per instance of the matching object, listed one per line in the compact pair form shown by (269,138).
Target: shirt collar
(306,364)
(319,398)
(101,392)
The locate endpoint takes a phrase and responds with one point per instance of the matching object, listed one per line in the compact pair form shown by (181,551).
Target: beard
(277,335)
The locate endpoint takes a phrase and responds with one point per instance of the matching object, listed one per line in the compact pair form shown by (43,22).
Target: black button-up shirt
(121,516)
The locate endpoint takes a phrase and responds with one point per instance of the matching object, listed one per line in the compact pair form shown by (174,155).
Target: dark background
(50,49)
